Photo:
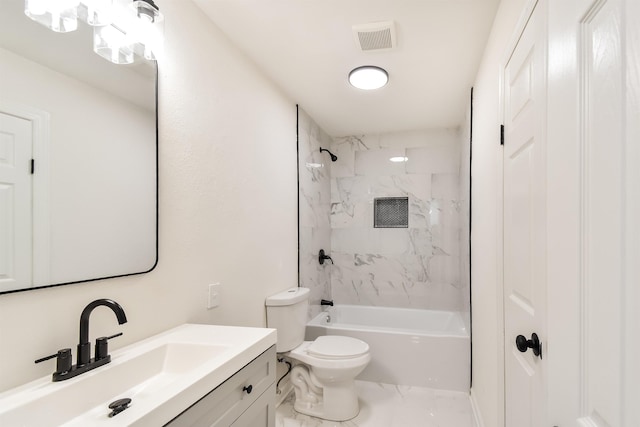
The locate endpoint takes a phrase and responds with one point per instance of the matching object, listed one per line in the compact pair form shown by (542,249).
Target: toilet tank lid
(288,297)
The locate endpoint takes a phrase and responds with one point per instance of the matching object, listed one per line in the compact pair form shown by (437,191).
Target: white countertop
(163,375)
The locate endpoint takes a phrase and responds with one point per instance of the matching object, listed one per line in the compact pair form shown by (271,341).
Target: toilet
(324,370)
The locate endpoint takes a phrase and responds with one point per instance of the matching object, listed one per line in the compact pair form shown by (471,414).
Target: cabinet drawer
(223,405)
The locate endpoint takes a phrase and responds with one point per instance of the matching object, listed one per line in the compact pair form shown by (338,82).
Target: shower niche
(391,212)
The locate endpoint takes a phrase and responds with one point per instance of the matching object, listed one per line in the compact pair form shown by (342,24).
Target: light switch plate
(213,300)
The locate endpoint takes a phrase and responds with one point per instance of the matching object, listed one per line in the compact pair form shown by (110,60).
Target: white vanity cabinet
(246,399)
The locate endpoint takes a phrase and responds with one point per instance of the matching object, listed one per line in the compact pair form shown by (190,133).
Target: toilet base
(336,401)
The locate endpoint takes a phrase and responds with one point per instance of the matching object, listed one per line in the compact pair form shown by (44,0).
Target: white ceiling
(307,48)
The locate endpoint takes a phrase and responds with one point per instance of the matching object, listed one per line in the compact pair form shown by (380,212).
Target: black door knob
(534,344)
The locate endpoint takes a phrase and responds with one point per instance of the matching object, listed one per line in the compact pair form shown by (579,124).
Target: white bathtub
(425,348)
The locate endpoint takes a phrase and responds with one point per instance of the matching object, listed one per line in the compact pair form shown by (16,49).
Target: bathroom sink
(162,376)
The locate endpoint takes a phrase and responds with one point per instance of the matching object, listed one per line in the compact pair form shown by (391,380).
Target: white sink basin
(162,375)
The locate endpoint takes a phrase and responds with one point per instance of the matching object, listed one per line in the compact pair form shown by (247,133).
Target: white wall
(486,174)
(227,209)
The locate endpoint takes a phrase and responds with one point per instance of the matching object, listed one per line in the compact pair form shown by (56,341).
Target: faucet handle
(63,361)
(102,349)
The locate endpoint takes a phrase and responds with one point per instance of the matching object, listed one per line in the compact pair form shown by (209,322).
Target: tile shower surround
(414,267)
(314,192)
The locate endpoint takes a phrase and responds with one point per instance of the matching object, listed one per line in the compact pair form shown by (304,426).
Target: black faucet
(64,368)
(326,302)
(84,347)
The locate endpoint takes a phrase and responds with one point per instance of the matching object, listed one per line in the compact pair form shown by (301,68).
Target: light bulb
(60,16)
(97,12)
(112,44)
(35,7)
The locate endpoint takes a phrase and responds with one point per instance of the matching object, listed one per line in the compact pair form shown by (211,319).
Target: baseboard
(476,410)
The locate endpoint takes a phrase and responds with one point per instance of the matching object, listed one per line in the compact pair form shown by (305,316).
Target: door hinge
(501,134)
(33,166)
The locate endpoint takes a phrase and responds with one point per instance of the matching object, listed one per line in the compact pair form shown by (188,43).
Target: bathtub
(412,347)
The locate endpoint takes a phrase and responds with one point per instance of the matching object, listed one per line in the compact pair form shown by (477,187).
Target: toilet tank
(287,312)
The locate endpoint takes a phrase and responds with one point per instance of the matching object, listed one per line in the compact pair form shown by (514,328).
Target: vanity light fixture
(368,77)
(96,12)
(123,29)
(60,16)
(136,31)
(111,43)
(149,28)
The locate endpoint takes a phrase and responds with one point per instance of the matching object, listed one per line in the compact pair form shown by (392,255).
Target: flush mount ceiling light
(399,159)
(368,77)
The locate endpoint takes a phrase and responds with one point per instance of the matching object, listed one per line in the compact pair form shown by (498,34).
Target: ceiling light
(368,77)
(399,159)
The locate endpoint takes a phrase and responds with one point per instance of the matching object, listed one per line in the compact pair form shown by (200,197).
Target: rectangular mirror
(78,158)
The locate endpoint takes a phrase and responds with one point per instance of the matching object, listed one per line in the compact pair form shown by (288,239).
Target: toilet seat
(337,347)
(321,359)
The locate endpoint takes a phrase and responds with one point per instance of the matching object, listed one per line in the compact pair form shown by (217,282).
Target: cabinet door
(262,413)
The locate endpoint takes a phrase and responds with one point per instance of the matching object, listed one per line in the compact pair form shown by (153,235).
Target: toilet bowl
(324,378)
(324,371)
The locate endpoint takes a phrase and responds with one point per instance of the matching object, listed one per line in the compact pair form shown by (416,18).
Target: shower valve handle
(322,257)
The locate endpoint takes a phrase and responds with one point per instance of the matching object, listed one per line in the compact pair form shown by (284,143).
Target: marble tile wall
(422,266)
(414,267)
(314,209)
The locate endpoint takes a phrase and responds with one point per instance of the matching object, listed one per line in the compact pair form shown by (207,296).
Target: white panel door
(610,107)
(594,213)
(524,213)
(15,202)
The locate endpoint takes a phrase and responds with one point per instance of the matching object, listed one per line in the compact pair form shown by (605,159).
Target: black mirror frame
(157,220)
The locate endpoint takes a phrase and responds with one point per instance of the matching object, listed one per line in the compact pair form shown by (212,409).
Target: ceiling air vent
(375,36)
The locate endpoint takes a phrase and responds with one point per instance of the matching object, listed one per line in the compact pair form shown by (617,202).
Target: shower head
(333,156)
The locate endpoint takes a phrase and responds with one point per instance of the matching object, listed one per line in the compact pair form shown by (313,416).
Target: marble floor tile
(386,405)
